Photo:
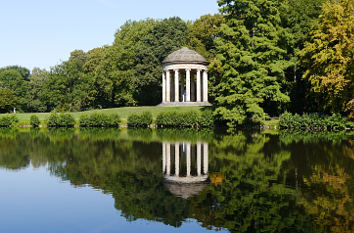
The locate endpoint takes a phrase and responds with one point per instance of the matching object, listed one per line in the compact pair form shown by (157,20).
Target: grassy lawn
(123,112)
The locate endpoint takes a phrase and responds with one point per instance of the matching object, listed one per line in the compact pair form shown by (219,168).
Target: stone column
(182,97)
(205,86)
(176,86)
(168,86)
(206,158)
(163,157)
(168,158)
(163,87)
(193,90)
(188,85)
(188,156)
(177,159)
(199,159)
(198,87)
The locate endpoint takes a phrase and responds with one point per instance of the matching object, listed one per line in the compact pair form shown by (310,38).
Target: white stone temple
(185,167)
(185,79)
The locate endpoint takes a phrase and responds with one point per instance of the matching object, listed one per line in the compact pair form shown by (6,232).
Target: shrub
(8,121)
(166,119)
(115,120)
(56,120)
(314,121)
(188,119)
(142,120)
(84,120)
(34,121)
(206,119)
(100,120)
(191,119)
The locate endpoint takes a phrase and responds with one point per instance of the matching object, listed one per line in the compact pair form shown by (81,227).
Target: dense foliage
(314,121)
(328,58)
(9,120)
(266,57)
(34,121)
(250,61)
(191,119)
(56,120)
(142,120)
(100,120)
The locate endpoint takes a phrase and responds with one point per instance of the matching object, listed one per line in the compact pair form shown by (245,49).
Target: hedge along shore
(170,118)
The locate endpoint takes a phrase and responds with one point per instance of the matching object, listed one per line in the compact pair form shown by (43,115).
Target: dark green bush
(142,120)
(100,120)
(84,120)
(191,119)
(167,119)
(206,119)
(8,121)
(115,120)
(34,121)
(188,119)
(56,120)
(314,121)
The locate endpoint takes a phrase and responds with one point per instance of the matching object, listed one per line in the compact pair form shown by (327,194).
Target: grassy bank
(124,112)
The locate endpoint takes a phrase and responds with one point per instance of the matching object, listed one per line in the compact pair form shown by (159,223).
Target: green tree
(203,32)
(102,88)
(328,57)
(8,100)
(24,72)
(250,61)
(67,87)
(36,86)
(298,17)
(14,81)
(134,60)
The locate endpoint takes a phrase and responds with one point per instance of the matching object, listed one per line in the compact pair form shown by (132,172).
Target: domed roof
(185,56)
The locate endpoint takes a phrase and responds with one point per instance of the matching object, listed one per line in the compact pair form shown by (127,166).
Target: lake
(109,180)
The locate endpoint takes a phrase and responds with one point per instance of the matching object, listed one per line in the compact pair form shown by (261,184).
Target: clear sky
(42,33)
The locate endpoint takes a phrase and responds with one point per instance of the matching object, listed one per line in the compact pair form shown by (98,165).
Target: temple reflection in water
(185,167)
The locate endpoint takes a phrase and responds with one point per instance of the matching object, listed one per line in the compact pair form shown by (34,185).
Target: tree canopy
(328,57)
(266,56)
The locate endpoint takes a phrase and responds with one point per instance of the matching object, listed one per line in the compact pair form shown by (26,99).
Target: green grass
(123,112)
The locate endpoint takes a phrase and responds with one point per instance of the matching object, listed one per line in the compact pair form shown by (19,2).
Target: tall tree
(328,58)
(24,72)
(96,67)
(298,17)
(250,61)
(14,81)
(8,100)
(203,32)
(134,60)
(67,87)
(36,85)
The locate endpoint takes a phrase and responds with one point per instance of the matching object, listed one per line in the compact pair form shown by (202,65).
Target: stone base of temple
(185,190)
(171,104)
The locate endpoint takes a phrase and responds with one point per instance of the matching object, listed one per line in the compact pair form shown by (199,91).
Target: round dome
(185,56)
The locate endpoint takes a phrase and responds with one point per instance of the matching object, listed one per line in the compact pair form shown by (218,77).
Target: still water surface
(175,181)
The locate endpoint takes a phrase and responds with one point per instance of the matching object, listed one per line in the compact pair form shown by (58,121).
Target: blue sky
(42,33)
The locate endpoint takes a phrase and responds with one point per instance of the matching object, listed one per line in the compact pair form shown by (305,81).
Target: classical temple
(185,79)
(185,167)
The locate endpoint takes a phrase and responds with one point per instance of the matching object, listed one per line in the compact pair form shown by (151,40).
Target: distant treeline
(266,56)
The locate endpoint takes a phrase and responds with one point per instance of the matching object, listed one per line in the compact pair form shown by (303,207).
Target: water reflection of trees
(270,183)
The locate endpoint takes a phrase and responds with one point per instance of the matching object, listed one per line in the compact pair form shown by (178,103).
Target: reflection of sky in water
(33,201)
